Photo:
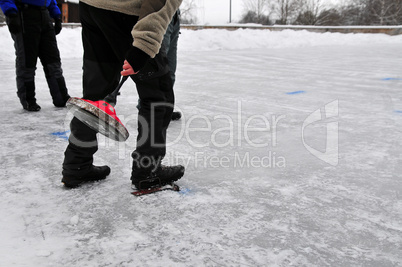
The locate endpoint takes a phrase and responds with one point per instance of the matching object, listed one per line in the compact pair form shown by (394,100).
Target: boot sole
(157,182)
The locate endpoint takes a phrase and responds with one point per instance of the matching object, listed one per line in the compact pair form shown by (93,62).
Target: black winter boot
(32,107)
(95,174)
(163,175)
(27,98)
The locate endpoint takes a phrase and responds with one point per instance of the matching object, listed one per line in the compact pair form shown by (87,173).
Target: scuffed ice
(253,194)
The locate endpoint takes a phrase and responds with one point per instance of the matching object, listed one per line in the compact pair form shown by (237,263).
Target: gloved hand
(136,59)
(57,26)
(14,23)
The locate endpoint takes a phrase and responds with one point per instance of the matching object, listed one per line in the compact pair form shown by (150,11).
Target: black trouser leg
(155,112)
(106,36)
(26,51)
(57,85)
(50,58)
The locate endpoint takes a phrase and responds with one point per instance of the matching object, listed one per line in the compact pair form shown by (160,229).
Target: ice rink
(292,155)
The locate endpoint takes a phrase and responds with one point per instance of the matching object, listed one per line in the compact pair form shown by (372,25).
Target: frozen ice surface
(293,156)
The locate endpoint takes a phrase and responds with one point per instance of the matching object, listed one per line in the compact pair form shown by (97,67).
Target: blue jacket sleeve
(8,7)
(54,10)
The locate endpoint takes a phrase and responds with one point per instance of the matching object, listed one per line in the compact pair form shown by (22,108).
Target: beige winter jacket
(154,18)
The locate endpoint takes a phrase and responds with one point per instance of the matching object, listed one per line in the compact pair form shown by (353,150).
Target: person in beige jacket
(129,32)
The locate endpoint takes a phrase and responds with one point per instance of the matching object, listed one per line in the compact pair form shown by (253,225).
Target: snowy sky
(213,11)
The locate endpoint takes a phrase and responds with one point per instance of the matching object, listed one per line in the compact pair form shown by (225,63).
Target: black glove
(57,26)
(14,23)
(137,58)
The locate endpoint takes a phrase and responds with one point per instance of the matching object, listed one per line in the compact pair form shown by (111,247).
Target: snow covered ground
(292,144)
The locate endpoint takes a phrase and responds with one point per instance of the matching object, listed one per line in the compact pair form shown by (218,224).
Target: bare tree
(351,14)
(309,12)
(384,12)
(188,9)
(329,17)
(285,9)
(251,17)
(258,7)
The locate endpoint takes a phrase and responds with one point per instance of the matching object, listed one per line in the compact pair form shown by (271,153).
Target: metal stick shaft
(111,98)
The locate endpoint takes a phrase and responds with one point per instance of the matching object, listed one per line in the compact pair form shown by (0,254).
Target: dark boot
(78,157)
(27,98)
(163,175)
(95,173)
(32,107)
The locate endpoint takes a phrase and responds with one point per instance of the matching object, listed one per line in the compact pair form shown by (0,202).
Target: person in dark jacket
(34,35)
(117,32)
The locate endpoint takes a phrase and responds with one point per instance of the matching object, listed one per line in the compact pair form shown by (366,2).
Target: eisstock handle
(112,97)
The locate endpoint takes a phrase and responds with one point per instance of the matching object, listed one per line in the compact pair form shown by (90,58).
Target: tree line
(308,12)
(320,13)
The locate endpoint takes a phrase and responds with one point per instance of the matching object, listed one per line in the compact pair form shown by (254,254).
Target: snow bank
(69,40)
(255,39)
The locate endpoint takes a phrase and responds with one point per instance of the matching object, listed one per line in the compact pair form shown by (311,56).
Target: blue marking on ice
(392,79)
(61,134)
(184,191)
(398,111)
(295,92)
